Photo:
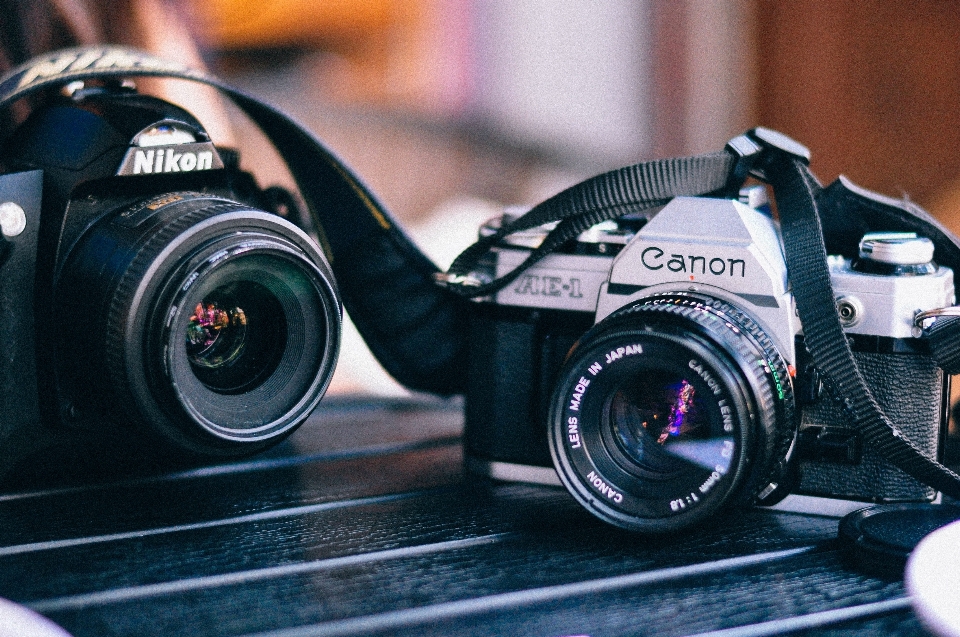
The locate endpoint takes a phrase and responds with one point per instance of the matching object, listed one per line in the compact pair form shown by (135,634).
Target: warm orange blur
(386,49)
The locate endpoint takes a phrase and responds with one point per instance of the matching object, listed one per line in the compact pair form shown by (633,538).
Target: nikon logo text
(182,158)
(170,161)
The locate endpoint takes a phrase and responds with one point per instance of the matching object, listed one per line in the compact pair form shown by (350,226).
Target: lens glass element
(250,330)
(664,426)
(235,337)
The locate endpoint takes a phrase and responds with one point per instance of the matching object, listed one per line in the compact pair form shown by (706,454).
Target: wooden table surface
(364,523)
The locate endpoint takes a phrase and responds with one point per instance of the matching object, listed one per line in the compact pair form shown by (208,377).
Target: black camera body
(657,366)
(149,300)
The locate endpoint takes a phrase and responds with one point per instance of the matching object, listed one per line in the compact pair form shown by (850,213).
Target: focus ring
(126,288)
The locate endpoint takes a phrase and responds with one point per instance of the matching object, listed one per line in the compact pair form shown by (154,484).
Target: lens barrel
(202,319)
(668,410)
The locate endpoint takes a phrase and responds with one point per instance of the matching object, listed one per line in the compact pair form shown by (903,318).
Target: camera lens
(668,410)
(663,427)
(211,323)
(242,334)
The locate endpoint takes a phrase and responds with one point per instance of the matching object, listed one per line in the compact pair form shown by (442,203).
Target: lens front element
(232,349)
(199,321)
(215,336)
(662,425)
(247,329)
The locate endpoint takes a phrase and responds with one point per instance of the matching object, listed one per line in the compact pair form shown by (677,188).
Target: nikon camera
(151,300)
(658,365)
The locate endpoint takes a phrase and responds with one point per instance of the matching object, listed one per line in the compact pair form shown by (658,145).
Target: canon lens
(668,410)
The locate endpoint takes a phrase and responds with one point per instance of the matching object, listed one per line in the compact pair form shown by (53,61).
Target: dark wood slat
(368,525)
(496,588)
(129,508)
(340,427)
(381,533)
(312,468)
(902,622)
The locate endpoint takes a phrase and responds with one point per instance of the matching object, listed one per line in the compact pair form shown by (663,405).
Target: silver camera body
(712,252)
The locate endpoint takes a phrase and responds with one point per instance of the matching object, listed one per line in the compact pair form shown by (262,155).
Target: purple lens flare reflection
(676,421)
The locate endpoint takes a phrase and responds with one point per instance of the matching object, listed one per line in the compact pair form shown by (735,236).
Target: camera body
(152,299)
(688,317)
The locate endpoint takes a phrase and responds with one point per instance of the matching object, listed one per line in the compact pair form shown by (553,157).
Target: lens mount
(668,410)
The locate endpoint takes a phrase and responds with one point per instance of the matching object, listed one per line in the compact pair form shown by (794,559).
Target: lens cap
(878,539)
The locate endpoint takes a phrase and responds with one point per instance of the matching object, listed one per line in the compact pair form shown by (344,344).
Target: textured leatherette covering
(909,388)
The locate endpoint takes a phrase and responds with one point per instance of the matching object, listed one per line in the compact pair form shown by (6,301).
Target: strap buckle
(753,151)
(450,280)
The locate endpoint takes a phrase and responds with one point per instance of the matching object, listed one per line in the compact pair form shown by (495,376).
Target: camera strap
(772,157)
(796,190)
(412,326)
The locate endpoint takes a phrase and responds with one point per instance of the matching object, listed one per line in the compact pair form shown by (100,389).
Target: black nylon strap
(944,339)
(806,256)
(605,196)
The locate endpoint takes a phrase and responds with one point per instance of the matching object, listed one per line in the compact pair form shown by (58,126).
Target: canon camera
(657,363)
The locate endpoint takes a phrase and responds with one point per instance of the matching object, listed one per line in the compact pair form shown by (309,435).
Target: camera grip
(910,390)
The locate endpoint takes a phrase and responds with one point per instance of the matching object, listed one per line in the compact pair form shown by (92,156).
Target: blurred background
(449,109)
